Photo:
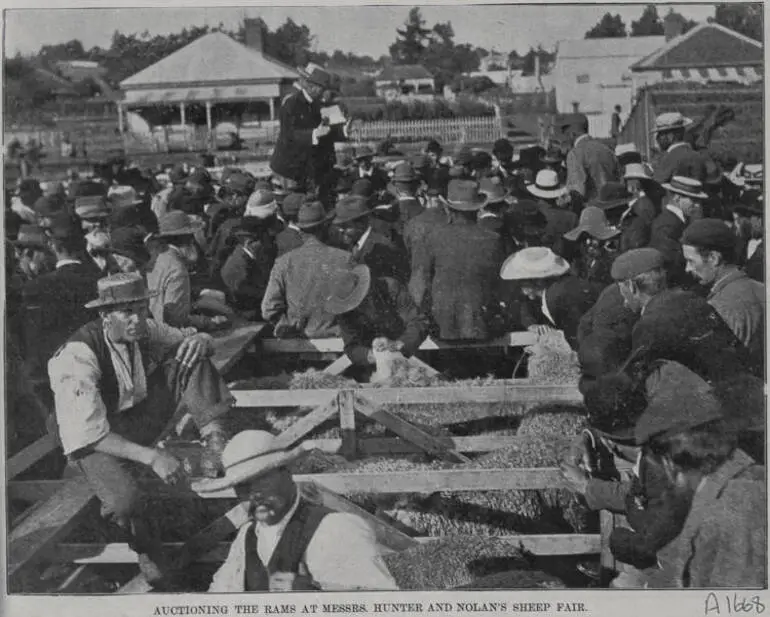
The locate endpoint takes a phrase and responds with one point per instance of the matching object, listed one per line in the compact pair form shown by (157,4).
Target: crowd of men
(654,271)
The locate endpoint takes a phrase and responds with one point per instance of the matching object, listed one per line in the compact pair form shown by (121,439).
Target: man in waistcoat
(290,543)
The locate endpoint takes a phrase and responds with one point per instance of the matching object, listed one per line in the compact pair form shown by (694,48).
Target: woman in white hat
(636,219)
(290,543)
(551,192)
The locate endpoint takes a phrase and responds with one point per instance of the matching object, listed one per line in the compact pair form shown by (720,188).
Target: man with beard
(33,258)
(289,542)
(596,245)
(678,158)
(94,212)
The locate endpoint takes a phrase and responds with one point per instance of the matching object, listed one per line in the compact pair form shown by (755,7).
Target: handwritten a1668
(733,604)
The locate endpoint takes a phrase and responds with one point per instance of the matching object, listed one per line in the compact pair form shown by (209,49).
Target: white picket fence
(445,130)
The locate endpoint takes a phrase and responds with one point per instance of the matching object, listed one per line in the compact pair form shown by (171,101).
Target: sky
(361,29)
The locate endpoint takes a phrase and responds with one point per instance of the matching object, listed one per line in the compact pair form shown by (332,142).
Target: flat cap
(710,234)
(635,262)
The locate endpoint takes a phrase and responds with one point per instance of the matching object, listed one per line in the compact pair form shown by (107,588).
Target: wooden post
(607,559)
(348,424)
(121,127)
(210,136)
(271,102)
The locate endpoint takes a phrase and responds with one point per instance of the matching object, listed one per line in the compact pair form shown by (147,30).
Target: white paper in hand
(334,115)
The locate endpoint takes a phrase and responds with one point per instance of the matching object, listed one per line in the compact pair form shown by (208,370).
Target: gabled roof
(212,58)
(706,45)
(397,72)
(628,47)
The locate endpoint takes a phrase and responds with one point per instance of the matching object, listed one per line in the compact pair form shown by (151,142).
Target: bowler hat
(312,215)
(670,121)
(364,152)
(292,203)
(261,205)
(494,190)
(249,455)
(463,195)
(92,207)
(129,242)
(536,262)
(351,208)
(635,262)
(123,288)
(348,288)
(31,236)
(177,223)
(688,187)
(123,196)
(611,195)
(593,222)
(709,234)
(547,185)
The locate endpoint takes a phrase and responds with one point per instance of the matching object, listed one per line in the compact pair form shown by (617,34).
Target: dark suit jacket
(590,165)
(636,225)
(755,265)
(417,228)
(558,222)
(293,155)
(383,257)
(665,234)
(288,240)
(682,161)
(458,265)
(57,298)
(245,277)
(567,300)
(379,178)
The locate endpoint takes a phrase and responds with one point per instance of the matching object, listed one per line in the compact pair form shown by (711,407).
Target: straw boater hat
(670,122)
(247,456)
(638,171)
(536,262)
(622,149)
(547,185)
(92,207)
(123,288)
(348,289)
(123,196)
(594,223)
(463,195)
(688,187)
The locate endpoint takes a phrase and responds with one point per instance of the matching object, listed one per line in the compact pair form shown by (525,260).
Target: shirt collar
(280,526)
(679,214)
(293,226)
(366,173)
(362,240)
(66,262)
(544,308)
(248,252)
(677,144)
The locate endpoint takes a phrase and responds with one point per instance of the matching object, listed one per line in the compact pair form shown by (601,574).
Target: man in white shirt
(117,383)
(290,543)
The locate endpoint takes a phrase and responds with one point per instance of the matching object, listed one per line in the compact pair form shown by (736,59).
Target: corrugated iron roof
(632,46)
(212,58)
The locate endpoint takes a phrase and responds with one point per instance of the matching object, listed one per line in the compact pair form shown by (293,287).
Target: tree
(684,24)
(290,43)
(71,50)
(649,24)
(743,18)
(412,39)
(610,26)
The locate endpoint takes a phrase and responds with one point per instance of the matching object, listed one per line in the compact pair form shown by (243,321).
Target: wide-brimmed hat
(31,236)
(177,223)
(593,222)
(536,262)
(638,171)
(364,152)
(311,215)
(463,195)
(689,187)
(547,185)
(362,187)
(351,208)
(261,204)
(611,195)
(123,196)
(404,174)
(315,74)
(247,456)
(123,288)
(129,242)
(670,121)
(92,207)
(347,289)
(494,190)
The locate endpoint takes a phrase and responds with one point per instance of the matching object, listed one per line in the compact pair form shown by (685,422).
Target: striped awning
(174,96)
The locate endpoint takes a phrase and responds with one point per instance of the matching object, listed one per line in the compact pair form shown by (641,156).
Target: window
(685,73)
(703,73)
(584,78)
(668,74)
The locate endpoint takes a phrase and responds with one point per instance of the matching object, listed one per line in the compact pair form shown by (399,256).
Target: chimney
(673,24)
(253,29)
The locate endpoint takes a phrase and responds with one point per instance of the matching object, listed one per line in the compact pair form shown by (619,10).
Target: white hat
(249,455)
(688,187)
(261,205)
(638,171)
(547,185)
(123,196)
(671,121)
(536,262)
(621,149)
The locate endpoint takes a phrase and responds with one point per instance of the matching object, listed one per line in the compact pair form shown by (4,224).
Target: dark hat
(503,149)
(528,217)
(348,289)
(433,146)
(750,203)
(710,234)
(31,236)
(345,183)
(404,173)
(177,223)
(123,288)
(611,195)
(62,218)
(681,400)
(552,156)
(318,76)
(362,188)
(494,190)
(250,226)
(28,185)
(201,175)
(93,207)
(88,188)
(312,215)
(635,262)
(481,159)
(351,208)
(364,152)
(464,195)
(292,203)
(178,174)
(567,120)
(239,182)
(129,242)
(48,205)
(593,222)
